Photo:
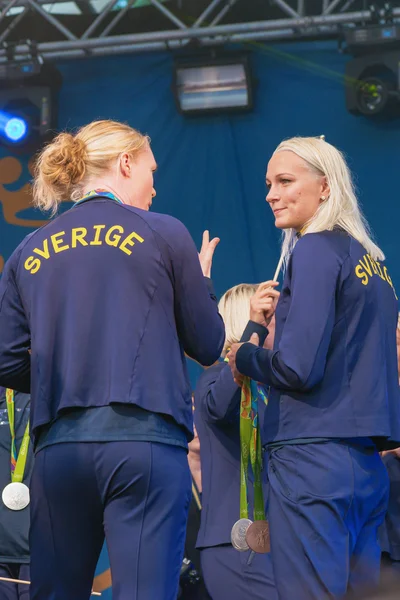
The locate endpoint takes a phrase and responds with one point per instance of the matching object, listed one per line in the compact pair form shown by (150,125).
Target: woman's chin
(285,223)
(281,223)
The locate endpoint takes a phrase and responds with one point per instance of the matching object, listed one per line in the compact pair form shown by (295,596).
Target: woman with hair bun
(108,297)
(334,400)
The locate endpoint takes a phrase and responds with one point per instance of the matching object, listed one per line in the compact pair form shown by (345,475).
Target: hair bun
(322,137)
(69,158)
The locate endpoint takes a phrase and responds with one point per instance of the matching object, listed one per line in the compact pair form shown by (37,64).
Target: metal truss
(208,28)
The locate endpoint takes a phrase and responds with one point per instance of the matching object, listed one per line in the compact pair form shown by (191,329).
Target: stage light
(28,105)
(372,96)
(13,128)
(213,85)
(373,85)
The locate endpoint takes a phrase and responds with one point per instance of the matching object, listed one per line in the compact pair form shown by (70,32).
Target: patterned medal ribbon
(18,461)
(94,193)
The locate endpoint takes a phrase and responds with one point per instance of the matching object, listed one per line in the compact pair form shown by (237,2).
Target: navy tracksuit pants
(326,502)
(14,591)
(390,529)
(135,493)
(233,575)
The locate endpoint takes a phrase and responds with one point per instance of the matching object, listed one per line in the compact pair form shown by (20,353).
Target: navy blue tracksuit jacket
(333,371)
(142,271)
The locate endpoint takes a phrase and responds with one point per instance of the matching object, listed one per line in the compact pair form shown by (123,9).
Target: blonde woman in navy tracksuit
(101,294)
(334,400)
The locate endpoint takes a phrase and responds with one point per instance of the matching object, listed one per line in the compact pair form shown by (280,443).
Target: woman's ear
(125,164)
(325,190)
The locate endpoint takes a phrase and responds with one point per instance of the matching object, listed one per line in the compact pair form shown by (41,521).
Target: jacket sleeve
(199,324)
(15,363)
(217,396)
(299,361)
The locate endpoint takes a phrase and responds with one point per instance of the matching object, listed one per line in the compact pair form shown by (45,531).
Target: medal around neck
(246,534)
(238,535)
(15,496)
(257,537)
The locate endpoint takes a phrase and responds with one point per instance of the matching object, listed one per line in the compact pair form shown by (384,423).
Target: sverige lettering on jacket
(63,241)
(367,267)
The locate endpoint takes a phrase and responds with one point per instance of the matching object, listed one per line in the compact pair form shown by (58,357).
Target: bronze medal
(257,537)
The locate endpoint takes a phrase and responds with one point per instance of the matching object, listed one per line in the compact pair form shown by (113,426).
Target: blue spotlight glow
(13,129)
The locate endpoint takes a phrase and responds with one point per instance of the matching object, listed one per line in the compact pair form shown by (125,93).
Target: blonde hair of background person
(234,308)
(340,208)
(69,163)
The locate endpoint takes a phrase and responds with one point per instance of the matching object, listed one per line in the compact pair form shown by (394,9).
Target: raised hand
(207,252)
(263,303)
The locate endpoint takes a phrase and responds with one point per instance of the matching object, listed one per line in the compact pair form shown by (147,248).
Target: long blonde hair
(234,307)
(341,209)
(62,168)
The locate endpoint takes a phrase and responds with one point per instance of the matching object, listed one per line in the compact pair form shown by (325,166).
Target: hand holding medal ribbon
(15,495)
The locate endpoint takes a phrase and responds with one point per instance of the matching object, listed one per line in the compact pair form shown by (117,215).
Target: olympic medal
(16,496)
(257,537)
(238,535)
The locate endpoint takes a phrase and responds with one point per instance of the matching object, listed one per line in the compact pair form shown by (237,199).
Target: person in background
(191,581)
(14,524)
(108,296)
(334,400)
(390,529)
(227,573)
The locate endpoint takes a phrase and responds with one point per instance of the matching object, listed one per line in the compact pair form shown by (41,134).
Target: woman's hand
(263,303)
(231,356)
(395,452)
(207,252)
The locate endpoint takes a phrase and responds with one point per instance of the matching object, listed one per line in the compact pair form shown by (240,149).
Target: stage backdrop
(212,170)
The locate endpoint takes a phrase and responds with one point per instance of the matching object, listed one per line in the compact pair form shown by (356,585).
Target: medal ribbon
(250,448)
(18,461)
(95,193)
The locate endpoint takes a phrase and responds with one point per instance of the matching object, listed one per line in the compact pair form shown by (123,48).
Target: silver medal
(238,534)
(16,496)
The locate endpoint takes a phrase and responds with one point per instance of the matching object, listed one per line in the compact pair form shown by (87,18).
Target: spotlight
(372,96)
(373,85)
(28,101)
(213,85)
(14,129)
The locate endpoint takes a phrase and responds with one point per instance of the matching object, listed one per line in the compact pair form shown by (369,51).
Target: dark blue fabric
(136,493)
(14,591)
(237,575)
(389,533)
(14,525)
(117,422)
(216,416)
(334,364)
(108,321)
(360,441)
(253,327)
(326,502)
